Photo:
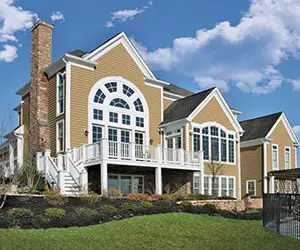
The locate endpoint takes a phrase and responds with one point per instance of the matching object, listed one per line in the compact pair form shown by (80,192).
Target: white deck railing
(111,150)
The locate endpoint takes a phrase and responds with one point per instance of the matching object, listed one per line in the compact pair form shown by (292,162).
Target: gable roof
(258,127)
(182,108)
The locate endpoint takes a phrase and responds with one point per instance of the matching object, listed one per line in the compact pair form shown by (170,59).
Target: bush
(91,198)
(209,208)
(114,192)
(108,210)
(146,204)
(85,212)
(186,204)
(55,212)
(164,203)
(130,206)
(138,197)
(19,213)
(54,199)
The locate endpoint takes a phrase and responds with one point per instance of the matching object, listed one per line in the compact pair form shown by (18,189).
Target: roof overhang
(254,142)
(24,90)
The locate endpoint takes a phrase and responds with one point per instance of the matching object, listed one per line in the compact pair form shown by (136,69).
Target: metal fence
(281,214)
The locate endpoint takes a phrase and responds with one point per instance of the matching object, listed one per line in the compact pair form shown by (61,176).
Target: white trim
(132,182)
(187,138)
(288,127)
(239,196)
(112,43)
(277,148)
(168,98)
(175,95)
(247,191)
(254,142)
(79,62)
(216,93)
(63,136)
(290,157)
(265,166)
(296,157)
(154,81)
(68,107)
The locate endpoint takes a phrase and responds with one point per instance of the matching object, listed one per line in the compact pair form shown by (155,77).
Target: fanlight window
(120,103)
(99,97)
(138,105)
(111,86)
(127,90)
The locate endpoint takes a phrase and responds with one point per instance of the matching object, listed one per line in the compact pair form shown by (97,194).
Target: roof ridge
(261,117)
(189,96)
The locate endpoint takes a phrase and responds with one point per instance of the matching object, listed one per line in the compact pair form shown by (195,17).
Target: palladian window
(215,142)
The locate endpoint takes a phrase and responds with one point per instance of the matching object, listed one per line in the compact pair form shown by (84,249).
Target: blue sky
(249,49)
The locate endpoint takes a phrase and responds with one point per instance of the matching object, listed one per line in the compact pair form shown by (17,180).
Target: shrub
(91,198)
(19,213)
(146,204)
(209,208)
(85,212)
(186,204)
(108,210)
(55,212)
(138,197)
(54,199)
(165,203)
(114,192)
(130,206)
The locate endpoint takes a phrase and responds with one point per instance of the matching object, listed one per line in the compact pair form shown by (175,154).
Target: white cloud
(57,16)
(8,54)
(126,15)
(12,20)
(297,130)
(245,55)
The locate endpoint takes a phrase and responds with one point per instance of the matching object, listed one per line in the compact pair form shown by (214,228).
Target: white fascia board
(77,61)
(288,127)
(181,121)
(216,93)
(254,142)
(122,39)
(156,81)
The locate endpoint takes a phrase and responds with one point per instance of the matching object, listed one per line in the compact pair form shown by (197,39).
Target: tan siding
(26,115)
(280,137)
(167,103)
(116,62)
(52,118)
(252,167)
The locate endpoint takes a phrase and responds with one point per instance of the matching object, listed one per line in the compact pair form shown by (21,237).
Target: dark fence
(281,214)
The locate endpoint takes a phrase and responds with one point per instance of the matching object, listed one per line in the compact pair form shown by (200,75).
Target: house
(268,144)
(101,121)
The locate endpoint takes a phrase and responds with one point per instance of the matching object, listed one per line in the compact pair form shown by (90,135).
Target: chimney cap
(41,22)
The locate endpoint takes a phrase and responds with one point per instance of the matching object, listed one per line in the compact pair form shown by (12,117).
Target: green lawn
(167,231)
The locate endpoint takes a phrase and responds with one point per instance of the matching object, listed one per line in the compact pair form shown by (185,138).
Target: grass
(166,231)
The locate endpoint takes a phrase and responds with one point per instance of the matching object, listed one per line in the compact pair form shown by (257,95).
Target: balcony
(136,154)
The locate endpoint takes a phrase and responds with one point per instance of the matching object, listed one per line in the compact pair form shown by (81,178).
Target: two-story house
(268,144)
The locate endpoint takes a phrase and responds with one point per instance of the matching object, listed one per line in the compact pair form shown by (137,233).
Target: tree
(215,168)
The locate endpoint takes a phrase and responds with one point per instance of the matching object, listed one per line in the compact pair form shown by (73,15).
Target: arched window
(138,105)
(120,103)
(99,97)
(217,144)
(127,90)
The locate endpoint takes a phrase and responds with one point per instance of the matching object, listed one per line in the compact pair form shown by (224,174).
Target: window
(205,142)
(214,148)
(274,156)
(127,90)
(139,138)
(120,103)
(60,136)
(126,184)
(196,140)
(231,187)
(139,122)
(215,186)
(231,148)
(125,136)
(112,134)
(113,117)
(97,133)
(60,79)
(126,119)
(99,97)
(111,86)
(287,157)
(206,185)
(196,184)
(138,105)
(223,187)
(98,114)
(251,187)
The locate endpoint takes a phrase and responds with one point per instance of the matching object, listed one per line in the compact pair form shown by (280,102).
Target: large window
(196,184)
(275,164)
(60,79)
(111,86)
(217,144)
(287,157)
(138,105)
(99,97)
(120,103)
(126,184)
(97,133)
(60,136)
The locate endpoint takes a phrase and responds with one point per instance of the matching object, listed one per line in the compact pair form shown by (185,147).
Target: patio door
(113,142)
(139,145)
(125,140)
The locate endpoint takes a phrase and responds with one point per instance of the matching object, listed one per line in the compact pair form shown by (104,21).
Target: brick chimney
(41,57)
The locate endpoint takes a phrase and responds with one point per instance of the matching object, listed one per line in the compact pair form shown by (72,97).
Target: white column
(239,182)
(46,157)
(104,179)
(272,185)
(202,181)
(265,169)
(11,158)
(20,151)
(181,156)
(158,153)
(105,149)
(84,182)
(60,162)
(39,166)
(158,181)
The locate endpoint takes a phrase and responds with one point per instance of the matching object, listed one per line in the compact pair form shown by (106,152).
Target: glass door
(139,145)
(125,185)
(113,142)
(125,139)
